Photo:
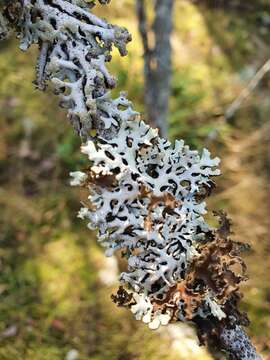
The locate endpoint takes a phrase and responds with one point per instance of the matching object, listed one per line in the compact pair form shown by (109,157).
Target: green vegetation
(52,299)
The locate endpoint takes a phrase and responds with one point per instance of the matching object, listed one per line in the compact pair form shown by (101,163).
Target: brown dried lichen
(167,200)
(100,180)
(180,294)
(219,266)
(217,269)
(122,297)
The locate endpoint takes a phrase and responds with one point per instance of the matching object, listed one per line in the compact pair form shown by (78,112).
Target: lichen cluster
(146,201)
(74,46)
(146,196)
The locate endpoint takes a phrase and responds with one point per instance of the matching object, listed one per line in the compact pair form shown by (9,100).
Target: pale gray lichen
(152,212)
(78,178)
(147,196)
(74,46)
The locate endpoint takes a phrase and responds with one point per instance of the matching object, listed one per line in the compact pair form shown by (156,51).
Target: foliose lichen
(146,195)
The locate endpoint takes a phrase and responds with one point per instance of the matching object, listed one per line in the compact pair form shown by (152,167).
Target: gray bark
(227,339)
(157,61)
(237,344)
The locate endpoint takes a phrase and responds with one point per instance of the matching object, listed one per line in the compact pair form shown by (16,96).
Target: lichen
(146,195)
(74,46)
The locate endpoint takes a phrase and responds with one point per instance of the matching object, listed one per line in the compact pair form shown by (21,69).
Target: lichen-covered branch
(237,344)
(146,196)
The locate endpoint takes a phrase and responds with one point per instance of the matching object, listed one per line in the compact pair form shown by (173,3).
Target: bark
(226,337)
(237,344)
(157,61)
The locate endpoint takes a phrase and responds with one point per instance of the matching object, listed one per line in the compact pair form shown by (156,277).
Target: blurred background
(55,283)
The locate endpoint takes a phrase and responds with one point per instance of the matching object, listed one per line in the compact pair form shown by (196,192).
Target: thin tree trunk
(157,61)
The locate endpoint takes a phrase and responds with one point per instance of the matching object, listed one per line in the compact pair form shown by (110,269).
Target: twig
(246,92)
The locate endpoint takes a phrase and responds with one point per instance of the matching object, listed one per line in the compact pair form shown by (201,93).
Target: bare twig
(246,92)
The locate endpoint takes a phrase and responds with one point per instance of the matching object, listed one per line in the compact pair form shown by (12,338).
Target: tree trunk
(157,61)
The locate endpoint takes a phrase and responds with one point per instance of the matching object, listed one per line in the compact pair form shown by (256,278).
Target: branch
(147,195)
(246,92)
(237,344)
(227,337)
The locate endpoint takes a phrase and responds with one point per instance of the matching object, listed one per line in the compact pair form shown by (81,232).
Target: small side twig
(246,92)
